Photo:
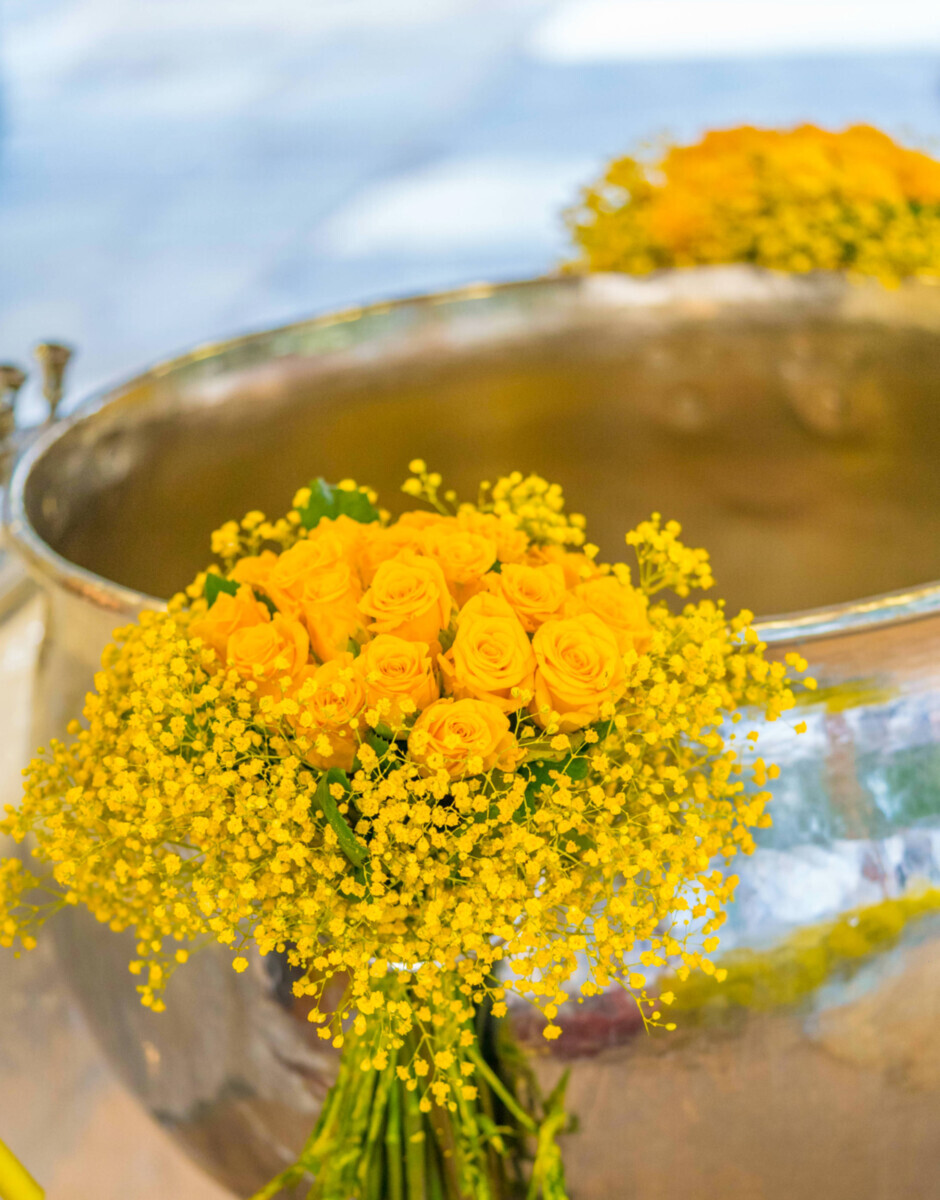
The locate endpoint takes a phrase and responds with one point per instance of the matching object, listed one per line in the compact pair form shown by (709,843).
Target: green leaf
(320,504)
(496,568)
(266,601)
(353,647)
(577,768)
(348,842)
(540,774)
(329,501)
(540,771)
(380,745)
(581,840)
(356,505)
(216,583)
(603,729)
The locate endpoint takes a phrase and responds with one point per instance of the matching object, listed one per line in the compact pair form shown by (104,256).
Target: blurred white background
(176,170)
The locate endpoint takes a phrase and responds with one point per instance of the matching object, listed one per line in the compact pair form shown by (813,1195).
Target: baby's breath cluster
(438,760)
(796,200)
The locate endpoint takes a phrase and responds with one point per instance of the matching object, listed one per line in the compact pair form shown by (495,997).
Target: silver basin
(793,426)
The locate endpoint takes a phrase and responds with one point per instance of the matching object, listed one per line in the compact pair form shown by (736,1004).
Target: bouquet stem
(381,1137)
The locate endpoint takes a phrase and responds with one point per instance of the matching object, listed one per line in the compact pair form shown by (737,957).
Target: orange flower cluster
(355,617)
(794,200)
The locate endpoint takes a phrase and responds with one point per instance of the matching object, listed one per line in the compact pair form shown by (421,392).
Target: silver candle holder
(15,436)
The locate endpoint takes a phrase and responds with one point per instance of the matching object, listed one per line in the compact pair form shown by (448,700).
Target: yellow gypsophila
(442,759)
(798,200)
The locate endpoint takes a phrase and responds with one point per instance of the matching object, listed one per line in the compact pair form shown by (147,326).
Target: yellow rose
(269,651)
(491,656)
(281,576)
(464,737)
(576,566)
(533,593)
(256,571)
(336,584)
(409,598)
(511,543)
(622,608)
(398,671)
(329,604)
(380,543)
(321,549)
(580,668)
(226,616)
(420,519)
(464,557)
(349,532)
(330,697)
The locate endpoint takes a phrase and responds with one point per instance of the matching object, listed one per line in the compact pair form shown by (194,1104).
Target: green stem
(548,1176)
(471,1162)
(394,1151)
(286,1179)
(414,1149)
(497,1086)
(374,1142)
(435,1177)
(373,1157)
(443,1129)
(16,1183)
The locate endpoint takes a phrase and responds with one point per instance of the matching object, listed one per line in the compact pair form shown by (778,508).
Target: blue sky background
(176,170)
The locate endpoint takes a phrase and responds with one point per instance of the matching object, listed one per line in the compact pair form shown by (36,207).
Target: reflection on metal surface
(792,425)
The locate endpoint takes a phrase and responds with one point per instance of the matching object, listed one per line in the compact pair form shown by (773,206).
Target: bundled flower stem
(448,759)
(793,200)
(374,1137)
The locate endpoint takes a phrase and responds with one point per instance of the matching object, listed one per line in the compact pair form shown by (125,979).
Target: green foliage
(216,583)
(329,501)
(348,842)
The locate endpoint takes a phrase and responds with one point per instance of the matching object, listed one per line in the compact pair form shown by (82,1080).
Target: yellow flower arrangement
(797,200)
(446,759)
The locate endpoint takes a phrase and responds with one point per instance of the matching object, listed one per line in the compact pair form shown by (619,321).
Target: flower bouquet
(795,200)
(441,765)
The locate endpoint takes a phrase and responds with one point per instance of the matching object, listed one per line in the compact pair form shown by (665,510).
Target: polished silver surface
(792,425)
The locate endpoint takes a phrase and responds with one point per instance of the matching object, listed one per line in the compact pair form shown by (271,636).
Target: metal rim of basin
(869,612)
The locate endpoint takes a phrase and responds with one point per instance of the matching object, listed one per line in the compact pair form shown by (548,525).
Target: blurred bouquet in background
(796,200)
